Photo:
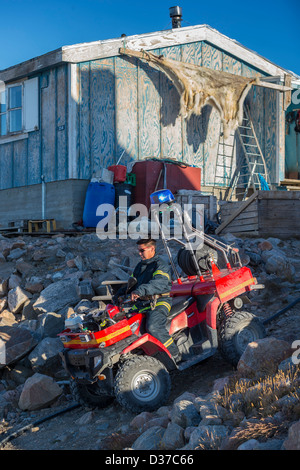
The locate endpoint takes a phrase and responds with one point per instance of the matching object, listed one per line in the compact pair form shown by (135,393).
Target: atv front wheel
(90,394)
(237,332)
(142,384)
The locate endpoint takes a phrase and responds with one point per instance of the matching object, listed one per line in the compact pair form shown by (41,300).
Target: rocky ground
(44,278)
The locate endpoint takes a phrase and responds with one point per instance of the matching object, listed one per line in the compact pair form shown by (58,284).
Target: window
(19,108)
(11,110)
(3,113)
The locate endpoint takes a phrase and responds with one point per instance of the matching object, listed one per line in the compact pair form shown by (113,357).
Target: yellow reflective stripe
(162,273)
(113,335)
(234,289)
(164,304)
(146,308)
(168,343)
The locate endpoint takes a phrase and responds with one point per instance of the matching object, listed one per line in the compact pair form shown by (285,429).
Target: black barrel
(123,189)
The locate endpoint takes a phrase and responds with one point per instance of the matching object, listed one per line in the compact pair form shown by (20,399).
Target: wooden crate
(195,197)
(265,213)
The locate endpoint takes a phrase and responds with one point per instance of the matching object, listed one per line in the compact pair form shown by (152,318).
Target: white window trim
(23,133)
(7,88)
(6,139)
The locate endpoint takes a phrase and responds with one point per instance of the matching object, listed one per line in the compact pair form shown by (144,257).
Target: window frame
(9,109)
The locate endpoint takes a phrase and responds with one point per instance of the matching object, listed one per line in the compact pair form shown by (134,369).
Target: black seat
(179,304)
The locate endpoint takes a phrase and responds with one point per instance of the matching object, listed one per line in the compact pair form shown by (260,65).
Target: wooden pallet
(265,213)
(291,184)
(39,223)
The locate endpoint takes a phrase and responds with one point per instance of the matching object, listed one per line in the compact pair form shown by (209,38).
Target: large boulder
(293,440)
(57,296)
(15,343)
(276,262)
(39,391)
(208,437)
(263,357)
(50,324)
(16,298)
(45,357)
(173,437)
(184,414)
(150,439)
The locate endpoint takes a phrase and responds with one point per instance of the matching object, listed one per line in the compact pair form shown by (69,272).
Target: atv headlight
(85,338)
(64,339)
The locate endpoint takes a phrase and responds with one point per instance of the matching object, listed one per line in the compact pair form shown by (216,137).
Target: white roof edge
(88,51)
(160,39)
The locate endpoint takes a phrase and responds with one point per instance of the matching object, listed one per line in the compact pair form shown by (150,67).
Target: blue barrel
(97,194)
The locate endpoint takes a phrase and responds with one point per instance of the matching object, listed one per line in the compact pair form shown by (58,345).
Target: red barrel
(150,178)
(119,173)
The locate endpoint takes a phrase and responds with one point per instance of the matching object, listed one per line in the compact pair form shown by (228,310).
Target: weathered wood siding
(269,213)
(127,107)
(292,139)
(44,152)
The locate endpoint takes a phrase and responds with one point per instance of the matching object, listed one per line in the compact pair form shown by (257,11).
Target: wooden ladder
(224,160)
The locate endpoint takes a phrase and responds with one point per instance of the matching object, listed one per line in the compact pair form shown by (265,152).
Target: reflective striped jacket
(153,277)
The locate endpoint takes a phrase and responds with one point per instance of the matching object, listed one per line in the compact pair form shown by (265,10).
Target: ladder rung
(245,127)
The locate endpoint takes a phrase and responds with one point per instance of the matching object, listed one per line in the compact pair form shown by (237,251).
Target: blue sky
(30,28)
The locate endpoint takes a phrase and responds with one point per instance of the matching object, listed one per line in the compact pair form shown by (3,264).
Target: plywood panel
(193,132)
(270,107)
(34,166)
(212,58)
(84,122)
(6,166)
(61,123)
(231,65)
(20,163)
(255,100)
(126,109)
(48,122)
(171,122)
(149,111)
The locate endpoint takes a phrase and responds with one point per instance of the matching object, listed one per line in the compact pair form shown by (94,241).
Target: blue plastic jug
(97,194)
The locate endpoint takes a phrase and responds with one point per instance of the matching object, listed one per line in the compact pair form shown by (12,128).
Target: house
(66,114)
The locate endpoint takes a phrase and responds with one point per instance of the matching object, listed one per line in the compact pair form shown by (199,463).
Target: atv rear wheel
(237,332)
(142,383)
(90,394)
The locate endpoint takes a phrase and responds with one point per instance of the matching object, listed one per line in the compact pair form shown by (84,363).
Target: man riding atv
(151,293)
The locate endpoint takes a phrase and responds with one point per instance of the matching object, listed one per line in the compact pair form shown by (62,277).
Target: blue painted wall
(126,105)
(292,139)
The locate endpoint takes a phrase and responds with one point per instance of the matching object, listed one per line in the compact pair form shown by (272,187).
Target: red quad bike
(109,355)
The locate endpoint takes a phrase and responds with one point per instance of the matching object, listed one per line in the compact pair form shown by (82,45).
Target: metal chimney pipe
(176,15)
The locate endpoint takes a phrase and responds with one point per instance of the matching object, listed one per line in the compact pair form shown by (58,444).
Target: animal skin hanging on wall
(199,86)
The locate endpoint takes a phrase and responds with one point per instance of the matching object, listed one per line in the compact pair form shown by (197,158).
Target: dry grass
(259,397)
(261,430)
(119,441)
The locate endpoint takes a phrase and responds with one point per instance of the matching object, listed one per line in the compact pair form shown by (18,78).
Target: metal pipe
(43,196)
(176,15)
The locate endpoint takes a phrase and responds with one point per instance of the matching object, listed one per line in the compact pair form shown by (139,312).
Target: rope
(268,320)
(36,423)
